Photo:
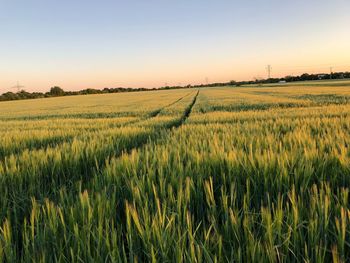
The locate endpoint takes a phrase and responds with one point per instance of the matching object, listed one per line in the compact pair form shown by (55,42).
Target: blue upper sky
(93,44)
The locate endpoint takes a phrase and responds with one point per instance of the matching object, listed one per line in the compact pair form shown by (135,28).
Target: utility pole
(331,71)
(206,80)
(269,69)
(18,87)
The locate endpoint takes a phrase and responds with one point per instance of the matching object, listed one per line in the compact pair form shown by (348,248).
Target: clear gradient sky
(80,44)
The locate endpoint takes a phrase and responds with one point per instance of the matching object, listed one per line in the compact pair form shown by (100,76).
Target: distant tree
(305,76)
(90,91)
(233,83)
(24,94)
(9,96)
(56,91)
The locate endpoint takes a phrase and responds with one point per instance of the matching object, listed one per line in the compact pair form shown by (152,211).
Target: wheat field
(250,174)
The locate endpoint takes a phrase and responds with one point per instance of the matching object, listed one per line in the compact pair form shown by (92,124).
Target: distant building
(321,76)
(282,81)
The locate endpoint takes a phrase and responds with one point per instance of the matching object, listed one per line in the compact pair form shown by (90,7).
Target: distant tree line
(58,92)
(303,77)
(308,77)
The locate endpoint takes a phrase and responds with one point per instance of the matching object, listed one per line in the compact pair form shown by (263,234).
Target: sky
(79,44)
